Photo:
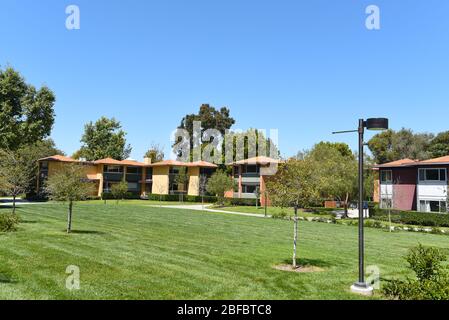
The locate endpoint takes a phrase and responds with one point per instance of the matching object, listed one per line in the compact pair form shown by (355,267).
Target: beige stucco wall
(160,180)
(194,181)
(91,172)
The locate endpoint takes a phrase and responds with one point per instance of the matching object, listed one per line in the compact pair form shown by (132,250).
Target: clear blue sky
(304,67)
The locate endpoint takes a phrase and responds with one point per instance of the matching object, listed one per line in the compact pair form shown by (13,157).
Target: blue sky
(303,67)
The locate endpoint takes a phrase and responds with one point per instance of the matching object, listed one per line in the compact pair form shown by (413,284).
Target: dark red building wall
(404,188)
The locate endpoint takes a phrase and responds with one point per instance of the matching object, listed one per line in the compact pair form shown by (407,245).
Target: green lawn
(132,251)
(276,210)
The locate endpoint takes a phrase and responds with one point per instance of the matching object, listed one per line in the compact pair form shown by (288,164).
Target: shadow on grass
(309,262)
(87,232)
(6,279)
(28,221)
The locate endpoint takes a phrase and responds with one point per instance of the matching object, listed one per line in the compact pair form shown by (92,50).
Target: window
(432,175)
(433,206)
(133,186)
(249,188)
(442,174)
(386,176)
(386,203)
(133,170)
(175,170)
(113,169)
(107,186)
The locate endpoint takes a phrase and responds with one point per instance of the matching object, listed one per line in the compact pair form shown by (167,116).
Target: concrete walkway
(8,202)
(199,207)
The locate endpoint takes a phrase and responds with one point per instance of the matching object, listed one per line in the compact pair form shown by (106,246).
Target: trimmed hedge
(427,219)
(242,202)
(176,197)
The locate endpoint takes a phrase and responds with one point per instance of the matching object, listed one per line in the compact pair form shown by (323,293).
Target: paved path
(199,207)
(19,202)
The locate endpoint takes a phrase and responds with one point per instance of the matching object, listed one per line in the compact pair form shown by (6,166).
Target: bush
(279,215)
(243,202)
(426,219)
(432,278)
(9,222)
(176,197)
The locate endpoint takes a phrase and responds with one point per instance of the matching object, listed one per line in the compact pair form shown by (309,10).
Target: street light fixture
(378,124)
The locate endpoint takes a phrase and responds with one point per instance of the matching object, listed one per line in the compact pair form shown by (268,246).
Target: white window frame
(432,181)
(427,203)
(386,181)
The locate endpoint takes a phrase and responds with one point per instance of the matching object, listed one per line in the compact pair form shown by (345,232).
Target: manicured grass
(141,202)
(274,210)
(130,251)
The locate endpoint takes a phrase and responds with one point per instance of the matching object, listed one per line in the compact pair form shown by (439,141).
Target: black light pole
(371,124)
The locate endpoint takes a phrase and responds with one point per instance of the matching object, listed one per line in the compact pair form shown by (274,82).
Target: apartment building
(250,177)
(142,177)
(413,185)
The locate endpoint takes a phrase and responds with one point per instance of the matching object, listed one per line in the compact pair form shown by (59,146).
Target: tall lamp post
(361,286)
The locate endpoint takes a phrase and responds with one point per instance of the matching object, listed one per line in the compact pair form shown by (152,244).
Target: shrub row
(426,219)
(243,202)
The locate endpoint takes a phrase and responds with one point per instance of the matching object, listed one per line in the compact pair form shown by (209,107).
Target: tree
(439,146)
(336,166)
(254,143)
(104,139)
(69,184)
(391,145)
(202,187)
(181,179)
(294,185)
(26,114)
(30,154)
(14,179)
(155,153)
(219,183)
(210,118)
(119,190)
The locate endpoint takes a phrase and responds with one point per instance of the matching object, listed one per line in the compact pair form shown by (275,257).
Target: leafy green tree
(26,114)
(219,183)
(155,153)
(336,169)
(104,139)
(30,154)
(202,186)
(391,145)
(254,142)
(210,118)
(181,179)
(14,179)
(119,190)
(439,147)
(69,184)
(294,185)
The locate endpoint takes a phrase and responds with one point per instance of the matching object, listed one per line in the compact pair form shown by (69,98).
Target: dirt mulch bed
(300,269)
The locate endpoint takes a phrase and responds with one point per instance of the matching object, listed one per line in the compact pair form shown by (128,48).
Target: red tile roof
(263,160)
(440,160)
(398,163)
(58,158)
(176,163)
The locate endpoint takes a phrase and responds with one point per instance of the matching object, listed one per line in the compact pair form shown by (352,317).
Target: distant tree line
(393,145)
